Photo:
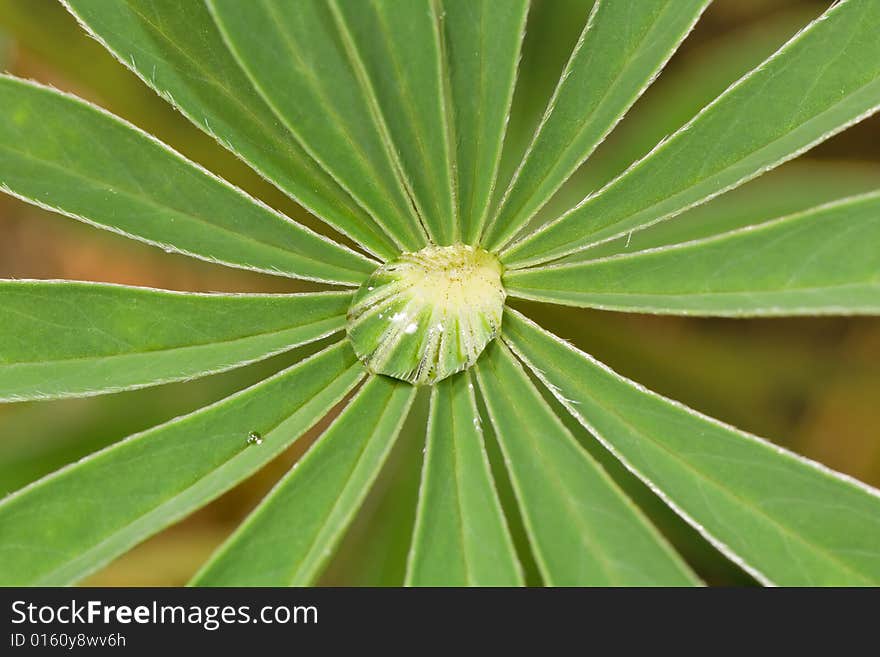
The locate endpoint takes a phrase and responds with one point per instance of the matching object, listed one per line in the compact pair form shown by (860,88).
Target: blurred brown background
(812,385)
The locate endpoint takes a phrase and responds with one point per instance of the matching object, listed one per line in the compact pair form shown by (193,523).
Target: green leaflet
(176,49)
(786,520)
(680,92)
(822,81)
(67,525)
(583,529)
(461,536)
(794,187)
(65,155)
(822,261)
(482,40)
(323,97)
(409,84)
(552,31)
(374,548)
(673,99)
(291,535)
(60,338)
(622,48)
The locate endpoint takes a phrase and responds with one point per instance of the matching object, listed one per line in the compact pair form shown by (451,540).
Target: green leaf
(552,31)
(823,261)
(709,67)
(176,49)
(61,338)
(621,50)
(374,549)
(410,88)
(794,187)
(461,536)
(786,520)
(288,539)
(482,42)
(583,529)
(65,155)
(820,82)
(67,525)
(320,91)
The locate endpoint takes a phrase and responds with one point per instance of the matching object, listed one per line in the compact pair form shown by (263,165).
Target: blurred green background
(812,385)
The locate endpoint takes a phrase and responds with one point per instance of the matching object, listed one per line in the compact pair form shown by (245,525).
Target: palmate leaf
(324,97)
(786,520)
(583,529)
(823,80)
(623,46)
(386,119)
(66,155)
(822,261)
(461,536)
(176,49)
(61,338)
(290,537)
(482,41)
(70,523)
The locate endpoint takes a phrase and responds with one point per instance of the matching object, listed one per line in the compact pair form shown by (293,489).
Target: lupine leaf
(386,119)
(410,88)
(623,47)
(322,96)
(291,535)
(583,529)
(66,155)
(65,526)
(461,536)
(176,49)
(823,80)
(786,520)
(61,338)
(482,42)
(822,261)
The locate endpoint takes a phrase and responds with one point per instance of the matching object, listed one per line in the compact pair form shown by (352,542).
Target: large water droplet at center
(426,315)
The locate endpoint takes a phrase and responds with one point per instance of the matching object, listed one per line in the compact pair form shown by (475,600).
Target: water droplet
(254,438)
(432,313)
